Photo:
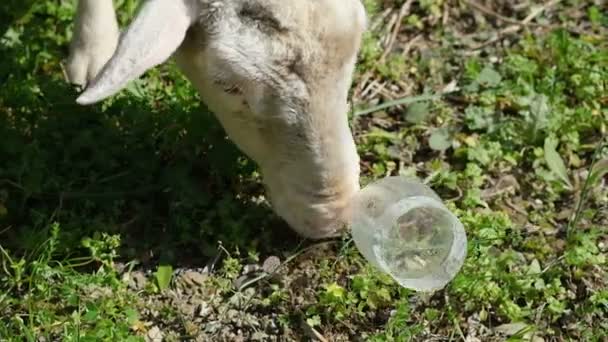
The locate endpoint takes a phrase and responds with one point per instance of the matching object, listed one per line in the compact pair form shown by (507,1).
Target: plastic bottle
(402,227)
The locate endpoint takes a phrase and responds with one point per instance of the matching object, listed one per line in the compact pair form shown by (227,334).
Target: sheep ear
(156,32)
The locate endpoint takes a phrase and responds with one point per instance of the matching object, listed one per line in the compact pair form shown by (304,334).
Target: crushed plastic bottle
(402,227)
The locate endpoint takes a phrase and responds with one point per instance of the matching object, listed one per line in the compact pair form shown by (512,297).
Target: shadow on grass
(11,11)
(150,164)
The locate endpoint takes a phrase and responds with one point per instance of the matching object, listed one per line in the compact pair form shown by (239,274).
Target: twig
(455,322)
(368,88)
(361,85)
(66,78)
(540,10)
(518,25)
(311,332)
(483,9)
(402,101)
(405,8)
(525,22)
(265,275)
(408,46)
(348,326)
(5,229)
(380,19)
(379,89)
(515,208)
(550,265)
(386,37)
(13,184)
(584,191)
(364,88)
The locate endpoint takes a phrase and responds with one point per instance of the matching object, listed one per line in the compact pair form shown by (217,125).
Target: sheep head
(276,74)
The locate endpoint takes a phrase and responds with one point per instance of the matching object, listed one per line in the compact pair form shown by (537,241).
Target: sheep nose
(314,214)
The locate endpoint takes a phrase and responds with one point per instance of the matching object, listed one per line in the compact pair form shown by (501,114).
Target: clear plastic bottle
(402,227)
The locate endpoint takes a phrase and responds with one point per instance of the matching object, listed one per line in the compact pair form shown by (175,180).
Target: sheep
(275,73)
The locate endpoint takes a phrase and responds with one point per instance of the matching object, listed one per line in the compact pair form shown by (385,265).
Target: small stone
(194,278)
(271,264)
(250,268)
(271,326)
(154,335)
(187,309)
(213,327)
(204,309)
(506,182)
(154,313)
(97,292)
(135,280)
(191,328)
(232,315)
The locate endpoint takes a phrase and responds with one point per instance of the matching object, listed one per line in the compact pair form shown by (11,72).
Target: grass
(136,218)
